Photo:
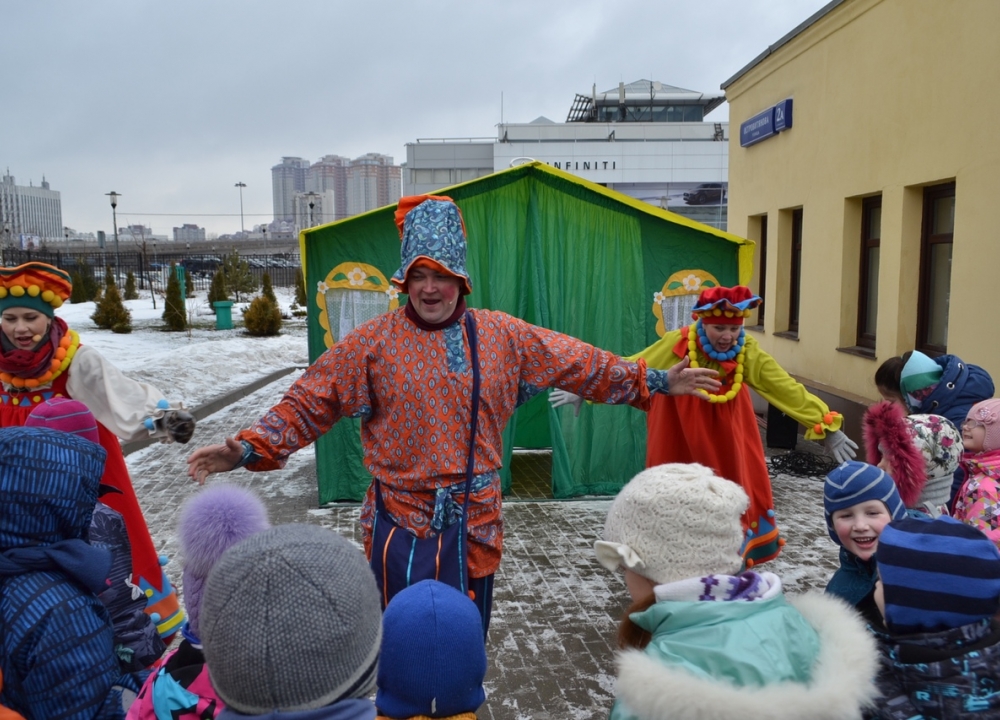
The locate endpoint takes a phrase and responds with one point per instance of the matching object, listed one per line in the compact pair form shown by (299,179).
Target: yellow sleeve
(763,373)
(660,355)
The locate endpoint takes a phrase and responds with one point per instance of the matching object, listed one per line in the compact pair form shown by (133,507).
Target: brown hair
(888,374)
(631,635)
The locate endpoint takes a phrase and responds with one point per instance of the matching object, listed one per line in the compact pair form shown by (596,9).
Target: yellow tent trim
(746,247)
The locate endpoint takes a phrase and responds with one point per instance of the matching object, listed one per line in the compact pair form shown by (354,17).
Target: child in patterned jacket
(978,502)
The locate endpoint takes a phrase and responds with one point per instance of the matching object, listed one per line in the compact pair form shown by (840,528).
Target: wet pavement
(551,645)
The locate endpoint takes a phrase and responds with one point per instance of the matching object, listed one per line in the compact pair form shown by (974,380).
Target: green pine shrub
(300,289)
(267,289)
(175,310)
(130,292)
(217,291)
(111,313)
(262,318)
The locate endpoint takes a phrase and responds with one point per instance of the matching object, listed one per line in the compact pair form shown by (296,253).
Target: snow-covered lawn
(198,365)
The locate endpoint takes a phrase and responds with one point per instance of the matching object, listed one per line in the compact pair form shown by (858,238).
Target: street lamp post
(8,245)
(243,233)
(114,215)
(312,203)
(263,231)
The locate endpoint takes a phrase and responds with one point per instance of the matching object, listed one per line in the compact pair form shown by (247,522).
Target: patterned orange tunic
(412,389)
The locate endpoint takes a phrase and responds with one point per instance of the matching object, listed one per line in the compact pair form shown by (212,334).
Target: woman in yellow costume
(723,433)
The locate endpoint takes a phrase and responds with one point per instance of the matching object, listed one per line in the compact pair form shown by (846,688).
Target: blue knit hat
(919,372)
(937,575)
(433,654)
(853,483)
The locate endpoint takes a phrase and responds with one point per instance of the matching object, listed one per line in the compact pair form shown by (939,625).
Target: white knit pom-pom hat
(673,522)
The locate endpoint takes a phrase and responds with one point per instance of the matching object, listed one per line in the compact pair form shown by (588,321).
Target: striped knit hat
(65,415)
(853,483)
(36,285)
(937,575)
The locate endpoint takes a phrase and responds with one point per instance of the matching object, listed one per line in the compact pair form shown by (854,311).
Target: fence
(150,269)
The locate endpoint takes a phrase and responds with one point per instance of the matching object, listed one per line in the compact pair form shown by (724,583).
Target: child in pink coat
(978,502)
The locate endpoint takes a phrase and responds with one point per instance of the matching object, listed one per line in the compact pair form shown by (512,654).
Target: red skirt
(724,437)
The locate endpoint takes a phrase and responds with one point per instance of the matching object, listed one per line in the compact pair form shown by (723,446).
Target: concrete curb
(213,406)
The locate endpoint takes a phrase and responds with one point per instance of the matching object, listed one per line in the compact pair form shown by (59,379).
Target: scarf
(78,559)
(982,463)
(27,364)
(424,325)
(747,586)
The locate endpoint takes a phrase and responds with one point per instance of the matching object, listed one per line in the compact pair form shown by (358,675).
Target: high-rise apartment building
(287,179)
(33,211)
(329,175)
(372,181)
(336,186)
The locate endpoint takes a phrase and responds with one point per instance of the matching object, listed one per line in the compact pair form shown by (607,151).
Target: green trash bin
(223,314)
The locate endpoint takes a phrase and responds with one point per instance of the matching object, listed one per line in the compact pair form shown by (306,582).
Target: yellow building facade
(874,212)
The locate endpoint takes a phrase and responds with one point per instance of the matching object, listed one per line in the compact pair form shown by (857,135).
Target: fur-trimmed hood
(921,449)
(843,678)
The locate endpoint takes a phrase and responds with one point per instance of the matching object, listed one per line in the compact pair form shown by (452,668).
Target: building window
(762,269)
(871,233)
(794,283)
(935,268)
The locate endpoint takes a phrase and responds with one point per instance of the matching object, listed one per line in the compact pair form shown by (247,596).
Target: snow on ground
(197,365)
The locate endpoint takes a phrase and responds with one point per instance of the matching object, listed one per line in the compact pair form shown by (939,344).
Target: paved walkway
(555,611)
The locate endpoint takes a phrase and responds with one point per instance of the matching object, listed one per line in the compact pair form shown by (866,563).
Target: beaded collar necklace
(696,329)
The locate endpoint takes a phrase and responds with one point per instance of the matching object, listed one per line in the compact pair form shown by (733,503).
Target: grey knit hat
(291,620)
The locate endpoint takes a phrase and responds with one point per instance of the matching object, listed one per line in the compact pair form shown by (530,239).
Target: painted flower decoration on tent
(691,283)
(357,276)
(392,292)
(321,287)
(658,297)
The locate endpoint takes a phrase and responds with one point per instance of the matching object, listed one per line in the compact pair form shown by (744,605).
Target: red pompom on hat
(725,306)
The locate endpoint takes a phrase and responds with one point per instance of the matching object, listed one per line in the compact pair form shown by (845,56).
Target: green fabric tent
(555,250)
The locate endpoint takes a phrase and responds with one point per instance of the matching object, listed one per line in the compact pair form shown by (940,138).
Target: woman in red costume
(723,433)
(42,358)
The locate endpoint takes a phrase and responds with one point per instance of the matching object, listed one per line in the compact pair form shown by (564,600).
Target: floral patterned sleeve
(551,359)
(333,387)
(979,506)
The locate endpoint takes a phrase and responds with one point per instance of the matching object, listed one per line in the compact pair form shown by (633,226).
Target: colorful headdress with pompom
(725,306)
(432,231)
(34,285)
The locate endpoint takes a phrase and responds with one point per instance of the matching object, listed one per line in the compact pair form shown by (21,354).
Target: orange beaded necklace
(737,376)
(61,359)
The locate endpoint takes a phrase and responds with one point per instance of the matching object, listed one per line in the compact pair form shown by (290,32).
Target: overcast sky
(172,103)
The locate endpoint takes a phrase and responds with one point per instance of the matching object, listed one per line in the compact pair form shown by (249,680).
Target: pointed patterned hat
(34,285)
(432,232)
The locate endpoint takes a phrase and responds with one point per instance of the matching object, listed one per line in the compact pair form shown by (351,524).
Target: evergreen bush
(174,311)
(267,289)
(111,313)
(79,294)
(217,290)
(130,291)
(239,279)
(262,318)
(300,289)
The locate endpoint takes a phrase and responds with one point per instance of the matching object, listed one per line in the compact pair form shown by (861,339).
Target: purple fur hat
(211,522)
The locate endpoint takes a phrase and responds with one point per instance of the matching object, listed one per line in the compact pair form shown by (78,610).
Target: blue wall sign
(766,124)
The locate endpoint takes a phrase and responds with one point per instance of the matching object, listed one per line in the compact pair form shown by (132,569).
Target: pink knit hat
(987,414)
(65,415)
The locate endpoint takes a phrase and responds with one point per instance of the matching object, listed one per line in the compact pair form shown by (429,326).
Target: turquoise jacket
(724,659)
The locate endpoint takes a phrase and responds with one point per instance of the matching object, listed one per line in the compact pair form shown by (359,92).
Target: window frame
(865,339)
(927,242)
(795,273)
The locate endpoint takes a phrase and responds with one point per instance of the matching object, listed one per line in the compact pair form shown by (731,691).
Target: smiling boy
(859,500)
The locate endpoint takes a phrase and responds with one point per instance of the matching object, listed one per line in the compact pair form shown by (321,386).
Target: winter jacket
(953,674)
(961,386)
(854,580)
(354,709)
(180,689)
(707,661)
(56,649)
(978,501)
(137,643)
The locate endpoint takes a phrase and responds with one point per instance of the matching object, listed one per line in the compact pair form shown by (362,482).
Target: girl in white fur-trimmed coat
(701,641)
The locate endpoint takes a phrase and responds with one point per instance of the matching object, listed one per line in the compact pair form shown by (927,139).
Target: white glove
(840,447)
(558,398)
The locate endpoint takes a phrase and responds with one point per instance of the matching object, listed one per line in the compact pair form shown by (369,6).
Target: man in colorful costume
(42,358)
(407,375)
(722,433)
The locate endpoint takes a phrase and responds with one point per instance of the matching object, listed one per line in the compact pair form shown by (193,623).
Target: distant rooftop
(643,101)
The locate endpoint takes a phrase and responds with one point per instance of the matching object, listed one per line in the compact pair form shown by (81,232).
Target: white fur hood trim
(842,679)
